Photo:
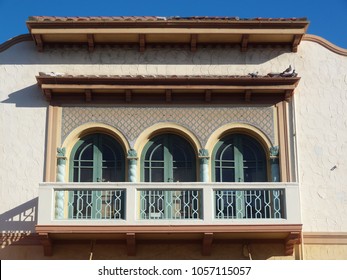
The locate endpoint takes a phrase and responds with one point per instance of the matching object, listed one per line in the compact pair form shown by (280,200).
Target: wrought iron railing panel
(124,203)
(170,204)
(100,204)
(249,204)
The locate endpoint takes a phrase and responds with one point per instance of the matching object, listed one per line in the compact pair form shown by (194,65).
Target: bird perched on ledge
(253,75)
(289,72)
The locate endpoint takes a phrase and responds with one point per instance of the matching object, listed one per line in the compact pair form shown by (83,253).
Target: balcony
(149,210)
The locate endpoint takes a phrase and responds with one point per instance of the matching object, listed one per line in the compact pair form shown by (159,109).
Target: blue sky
(328,17)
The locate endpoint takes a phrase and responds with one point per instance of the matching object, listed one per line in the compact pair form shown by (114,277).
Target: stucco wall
(321,113)
(320,104)
(326,252)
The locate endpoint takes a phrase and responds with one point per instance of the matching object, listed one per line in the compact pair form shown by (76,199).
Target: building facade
(172,138)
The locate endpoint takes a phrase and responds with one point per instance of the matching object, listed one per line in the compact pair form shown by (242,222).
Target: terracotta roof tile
(144,77)
(153,18)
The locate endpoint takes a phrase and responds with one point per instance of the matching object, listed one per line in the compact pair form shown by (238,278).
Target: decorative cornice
(163,229)
(169,80)
(15,40)
(190,32)
(325,43)
(204,88)
(325,238)
(307,37)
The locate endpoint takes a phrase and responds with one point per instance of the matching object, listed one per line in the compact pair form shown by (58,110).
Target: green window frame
(239,158)
(168,158)
(96,158)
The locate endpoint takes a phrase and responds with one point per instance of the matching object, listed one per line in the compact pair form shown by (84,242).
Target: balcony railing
(168,203)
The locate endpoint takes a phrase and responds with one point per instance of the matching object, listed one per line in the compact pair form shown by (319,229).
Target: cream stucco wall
(321,114)
(320,104)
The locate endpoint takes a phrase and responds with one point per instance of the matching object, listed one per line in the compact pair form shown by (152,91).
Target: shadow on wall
(21,219)
(25,53)
(30,97)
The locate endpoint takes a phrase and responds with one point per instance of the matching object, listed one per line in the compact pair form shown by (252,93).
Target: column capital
(274,151)
(132,154)
(61,152)
(203,153)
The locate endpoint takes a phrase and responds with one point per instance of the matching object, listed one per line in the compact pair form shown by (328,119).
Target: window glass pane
(183,171)
(108,153)
(157,164)
(255,173)
(87,153)
(179,152)
(86,175)
(109,158)
(228,153)
(226,164)
(147,179)
(86,163)
(98,156)
(228,175)
(254,161)
(217,175)
(240,154)
(183,157)
(157,153)
(109,174)
(75,175)
(173,156)
(157,175)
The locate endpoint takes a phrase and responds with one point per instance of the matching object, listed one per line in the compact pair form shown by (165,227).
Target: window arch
(239,158)
(168,158)
(97,158)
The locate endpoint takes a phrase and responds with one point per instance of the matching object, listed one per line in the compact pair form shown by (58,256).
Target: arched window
(239,158)
(97,158)
(168,158)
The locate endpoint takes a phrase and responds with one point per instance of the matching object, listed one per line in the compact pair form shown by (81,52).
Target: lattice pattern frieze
(202,121)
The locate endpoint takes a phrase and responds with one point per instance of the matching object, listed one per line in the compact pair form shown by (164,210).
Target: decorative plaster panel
(202,121)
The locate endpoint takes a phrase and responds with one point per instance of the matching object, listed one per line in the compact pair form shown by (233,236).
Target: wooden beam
(128,95)
(288,94)
(164,87)
(168,95)
(238,31)
(48,94)
(193,42)
(47,244)
(296,41)
(292,239)
(39,42)
(92,245)
(91,43)
(207,244)
(248,95)
(142,42)
(131,244)
(88,94)
(208,95)
(244,42)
